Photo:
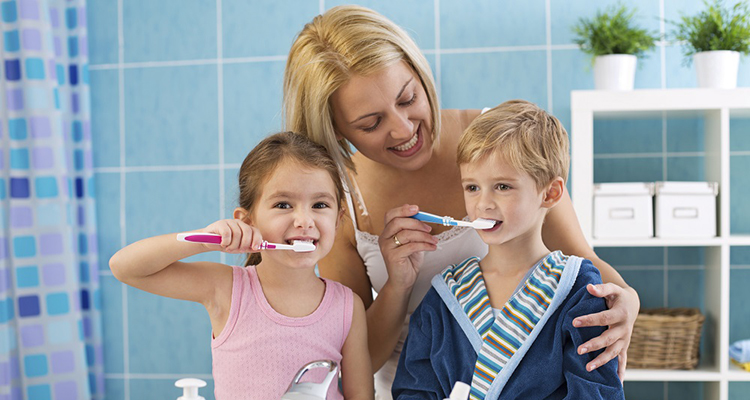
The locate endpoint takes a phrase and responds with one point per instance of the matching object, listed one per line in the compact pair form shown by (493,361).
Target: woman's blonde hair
(342,42)
(532,140)
(263,160)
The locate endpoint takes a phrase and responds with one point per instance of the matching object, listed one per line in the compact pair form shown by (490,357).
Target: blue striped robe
(443,346)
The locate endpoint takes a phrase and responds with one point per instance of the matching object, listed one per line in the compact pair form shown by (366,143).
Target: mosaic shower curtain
(50,324)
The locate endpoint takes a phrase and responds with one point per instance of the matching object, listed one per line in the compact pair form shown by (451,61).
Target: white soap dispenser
(190,388)
(460,391)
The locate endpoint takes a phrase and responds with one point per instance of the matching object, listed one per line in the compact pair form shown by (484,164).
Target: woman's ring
(395,239)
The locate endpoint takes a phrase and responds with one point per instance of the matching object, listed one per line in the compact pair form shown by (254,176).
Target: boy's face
(495,190)
(297,203)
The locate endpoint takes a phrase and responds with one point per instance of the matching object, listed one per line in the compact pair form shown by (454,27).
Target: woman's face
(386,116)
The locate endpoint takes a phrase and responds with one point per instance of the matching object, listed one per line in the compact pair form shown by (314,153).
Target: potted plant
(615,44)
(714,39)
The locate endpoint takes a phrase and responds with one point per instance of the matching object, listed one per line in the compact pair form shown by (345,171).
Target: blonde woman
(354,77)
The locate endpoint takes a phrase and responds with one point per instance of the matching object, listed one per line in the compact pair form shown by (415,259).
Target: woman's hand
(402,244)
(236,236)
(623,304)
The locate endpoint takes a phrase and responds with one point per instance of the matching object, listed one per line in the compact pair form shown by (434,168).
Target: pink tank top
(259,351)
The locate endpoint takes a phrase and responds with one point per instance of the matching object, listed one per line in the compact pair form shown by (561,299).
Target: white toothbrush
(479,223)
(213,238)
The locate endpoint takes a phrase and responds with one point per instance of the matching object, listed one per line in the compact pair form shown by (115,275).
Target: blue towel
(740,350)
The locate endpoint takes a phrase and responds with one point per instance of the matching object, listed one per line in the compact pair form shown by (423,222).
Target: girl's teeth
(408,145)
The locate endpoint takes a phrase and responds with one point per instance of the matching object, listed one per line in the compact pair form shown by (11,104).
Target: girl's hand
(236,236)
(623,304)
(402,244)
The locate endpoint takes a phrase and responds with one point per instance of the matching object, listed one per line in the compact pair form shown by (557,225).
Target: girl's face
(495,190)
(297,203)
(386,116)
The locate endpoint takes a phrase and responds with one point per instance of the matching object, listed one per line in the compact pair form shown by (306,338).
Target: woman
(353,76)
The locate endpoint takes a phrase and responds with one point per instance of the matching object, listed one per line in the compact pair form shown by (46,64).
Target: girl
(354,77)
(274,316)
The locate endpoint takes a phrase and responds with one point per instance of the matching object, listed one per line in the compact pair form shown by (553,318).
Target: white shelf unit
(716,106)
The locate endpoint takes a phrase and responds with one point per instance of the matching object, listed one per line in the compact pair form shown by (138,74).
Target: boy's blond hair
(532,140)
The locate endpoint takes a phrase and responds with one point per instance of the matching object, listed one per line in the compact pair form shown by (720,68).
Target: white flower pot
(717,69)
(614,72)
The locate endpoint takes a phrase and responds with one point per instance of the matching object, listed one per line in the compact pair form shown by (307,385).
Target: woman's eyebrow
(397,96)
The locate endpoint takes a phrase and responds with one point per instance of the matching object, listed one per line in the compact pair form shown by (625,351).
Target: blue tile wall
(482,53)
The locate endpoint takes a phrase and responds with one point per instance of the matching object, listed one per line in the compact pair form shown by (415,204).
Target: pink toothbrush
(297,246)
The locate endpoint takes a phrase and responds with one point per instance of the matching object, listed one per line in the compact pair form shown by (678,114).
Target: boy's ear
(242,214)
(553,193)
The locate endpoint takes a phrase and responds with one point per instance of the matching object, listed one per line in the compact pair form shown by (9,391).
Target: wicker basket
(666,338)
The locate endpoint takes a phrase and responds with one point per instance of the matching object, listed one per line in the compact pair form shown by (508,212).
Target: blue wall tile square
(649,284)
(231,191)
(738,390)
(189,35)
(686,169)
(252,106)
(685,390)
(115,388)
(632,256)
(739,324)
(490,23)
(504,76)
(108,216)
(151,335)
(112,324)
(616,136)
(739,215)
(264,27)
(162,202)
(680,75)
(680,257)
(566,14)
(685,288)
(740,256)
(635,169)
(685,134)
(739,134)
(416,17)
(171,108)
(571,70)
(644,390)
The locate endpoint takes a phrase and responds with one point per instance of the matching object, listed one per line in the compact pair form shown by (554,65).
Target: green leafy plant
(613,32)
(715,28)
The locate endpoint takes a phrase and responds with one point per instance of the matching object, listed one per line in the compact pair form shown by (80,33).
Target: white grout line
(123,219)
(220,111)
(438,62)
(651,155)
(499,49)
(187,63)
(548,39)
(167,168)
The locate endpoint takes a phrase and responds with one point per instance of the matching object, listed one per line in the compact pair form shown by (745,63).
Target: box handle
(621,213)
(685,212)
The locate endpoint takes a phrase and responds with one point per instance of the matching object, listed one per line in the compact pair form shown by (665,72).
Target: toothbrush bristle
(481,223)
(303,247)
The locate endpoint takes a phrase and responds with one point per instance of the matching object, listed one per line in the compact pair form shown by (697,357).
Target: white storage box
(623,210)
(686,209)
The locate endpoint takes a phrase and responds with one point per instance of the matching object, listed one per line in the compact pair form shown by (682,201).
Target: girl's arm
(561,231)
(356,371)
(153,265)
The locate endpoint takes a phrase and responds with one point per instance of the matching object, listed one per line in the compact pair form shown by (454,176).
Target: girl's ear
(242,214)
(553,193)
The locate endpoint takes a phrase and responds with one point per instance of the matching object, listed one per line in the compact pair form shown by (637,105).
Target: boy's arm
(415,377)
(356,368)
(603,382)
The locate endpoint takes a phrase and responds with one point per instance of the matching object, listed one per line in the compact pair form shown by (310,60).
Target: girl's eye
(372,128)
(282,205)
(321,205)
(410,101)
(471,188)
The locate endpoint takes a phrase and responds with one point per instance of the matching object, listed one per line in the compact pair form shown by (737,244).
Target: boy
(503,324)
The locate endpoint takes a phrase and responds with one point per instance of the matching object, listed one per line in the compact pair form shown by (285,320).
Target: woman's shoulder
(460,118)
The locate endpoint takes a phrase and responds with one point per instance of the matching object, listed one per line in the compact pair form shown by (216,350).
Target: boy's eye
(373,127)
(282,205)
(471,188)
(321,204)
(410,101)
(502,186)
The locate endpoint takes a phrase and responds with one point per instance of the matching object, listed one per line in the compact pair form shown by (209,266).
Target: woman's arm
(386,314)
(562,231)
(356,371)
